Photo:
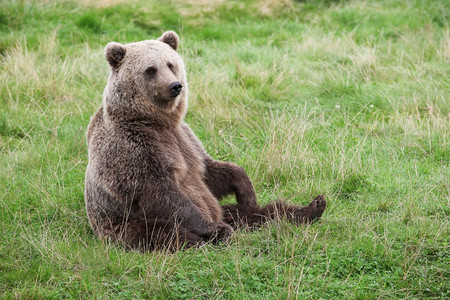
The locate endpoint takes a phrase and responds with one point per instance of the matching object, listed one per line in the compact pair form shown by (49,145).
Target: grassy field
(346,98)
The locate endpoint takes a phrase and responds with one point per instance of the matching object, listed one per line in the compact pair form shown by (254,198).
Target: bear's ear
(114,53)
(170,38)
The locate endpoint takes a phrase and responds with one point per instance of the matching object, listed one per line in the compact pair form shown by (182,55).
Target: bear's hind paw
(313,211)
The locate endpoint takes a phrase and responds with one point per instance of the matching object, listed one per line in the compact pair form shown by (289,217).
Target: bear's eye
(151,71)
(170,66)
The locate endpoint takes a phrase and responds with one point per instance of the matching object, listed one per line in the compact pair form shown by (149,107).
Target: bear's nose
(175,88)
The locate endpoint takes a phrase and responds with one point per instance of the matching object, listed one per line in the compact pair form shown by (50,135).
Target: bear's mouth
(164,102)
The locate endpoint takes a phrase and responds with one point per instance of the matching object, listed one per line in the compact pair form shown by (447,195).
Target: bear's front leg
(174,206)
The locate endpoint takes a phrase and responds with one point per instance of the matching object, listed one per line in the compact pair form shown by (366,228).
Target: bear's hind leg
(275,211)
(224,178)
(296,214)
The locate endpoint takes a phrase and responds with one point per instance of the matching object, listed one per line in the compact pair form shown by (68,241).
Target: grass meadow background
(345,98)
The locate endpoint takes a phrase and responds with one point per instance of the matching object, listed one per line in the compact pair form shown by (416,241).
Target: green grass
(345,98)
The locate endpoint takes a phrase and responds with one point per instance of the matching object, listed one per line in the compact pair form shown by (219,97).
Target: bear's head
(147,79)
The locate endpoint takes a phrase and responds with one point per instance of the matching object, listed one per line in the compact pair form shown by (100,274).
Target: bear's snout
(175,88)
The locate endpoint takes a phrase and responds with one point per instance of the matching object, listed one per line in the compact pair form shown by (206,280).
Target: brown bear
(149,183)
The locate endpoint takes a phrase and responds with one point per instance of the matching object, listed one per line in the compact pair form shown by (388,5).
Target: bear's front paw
(222,234)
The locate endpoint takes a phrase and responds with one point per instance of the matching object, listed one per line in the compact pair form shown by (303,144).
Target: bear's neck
(134,108)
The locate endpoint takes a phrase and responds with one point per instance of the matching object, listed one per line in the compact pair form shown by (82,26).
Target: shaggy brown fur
(149,182)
